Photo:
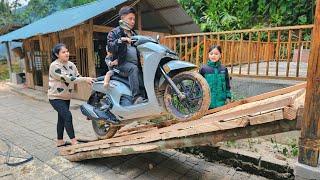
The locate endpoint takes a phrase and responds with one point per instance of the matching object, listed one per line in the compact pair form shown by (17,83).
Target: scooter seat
(116,78)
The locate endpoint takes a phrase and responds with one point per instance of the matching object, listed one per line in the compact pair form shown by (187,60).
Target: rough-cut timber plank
(196,140)
(290,113)
(259,97)
(268,117)
(160,134)
(157,138)
(263,105)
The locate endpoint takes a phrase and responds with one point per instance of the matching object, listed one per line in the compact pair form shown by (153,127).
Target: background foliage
(221,15)
(211,15)
(35,9)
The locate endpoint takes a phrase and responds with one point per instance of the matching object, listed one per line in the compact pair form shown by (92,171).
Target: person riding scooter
(125,55)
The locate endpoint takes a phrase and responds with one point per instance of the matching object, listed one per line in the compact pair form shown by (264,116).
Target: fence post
(309,144)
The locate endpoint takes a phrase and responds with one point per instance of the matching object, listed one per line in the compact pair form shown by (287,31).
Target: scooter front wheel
(104,130)
(197,96)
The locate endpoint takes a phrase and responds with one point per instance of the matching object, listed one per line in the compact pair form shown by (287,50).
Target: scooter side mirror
(158,38)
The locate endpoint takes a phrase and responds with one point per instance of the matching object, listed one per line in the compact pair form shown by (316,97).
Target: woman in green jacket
(217,77)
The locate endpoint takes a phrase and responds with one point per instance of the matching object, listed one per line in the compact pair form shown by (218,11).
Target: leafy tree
(213,15)
(5,13)
(34,10)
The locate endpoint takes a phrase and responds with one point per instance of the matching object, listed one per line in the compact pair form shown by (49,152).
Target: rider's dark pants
(64,117)
(132,72)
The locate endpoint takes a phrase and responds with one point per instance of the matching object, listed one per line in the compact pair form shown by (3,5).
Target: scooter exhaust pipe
(95,114)
(88,111)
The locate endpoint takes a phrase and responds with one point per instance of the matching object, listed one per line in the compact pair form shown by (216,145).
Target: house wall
(79,42)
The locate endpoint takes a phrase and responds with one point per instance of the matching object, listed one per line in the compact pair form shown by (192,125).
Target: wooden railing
(280,52)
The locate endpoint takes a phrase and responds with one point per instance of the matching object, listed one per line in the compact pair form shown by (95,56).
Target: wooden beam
(267,117)
(139,18)
(183,24)
(161,9)
(90,45)
(269,77)
(246,31)
(103,29)
(196,140)
(258,97)
(309,145)
(9,59)
(171,28)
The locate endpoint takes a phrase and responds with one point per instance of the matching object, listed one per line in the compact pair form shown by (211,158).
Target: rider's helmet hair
(126,10)
(215,47)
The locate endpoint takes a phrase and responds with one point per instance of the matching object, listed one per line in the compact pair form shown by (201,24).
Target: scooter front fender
(177,65)
(173,67)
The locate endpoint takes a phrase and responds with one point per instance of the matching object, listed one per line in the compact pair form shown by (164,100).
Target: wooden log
(309,146)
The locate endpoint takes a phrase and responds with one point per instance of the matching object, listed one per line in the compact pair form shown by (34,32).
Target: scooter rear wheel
(197,92)
(104,130)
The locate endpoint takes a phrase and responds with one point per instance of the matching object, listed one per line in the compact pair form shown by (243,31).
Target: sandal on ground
(64,144)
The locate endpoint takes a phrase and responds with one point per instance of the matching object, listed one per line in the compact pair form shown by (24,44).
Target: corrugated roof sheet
(62,20)
(175,15)
(170,10)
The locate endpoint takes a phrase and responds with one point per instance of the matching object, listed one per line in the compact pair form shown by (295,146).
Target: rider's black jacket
(116,46)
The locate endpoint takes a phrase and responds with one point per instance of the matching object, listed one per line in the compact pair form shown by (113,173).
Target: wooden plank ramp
(269,113)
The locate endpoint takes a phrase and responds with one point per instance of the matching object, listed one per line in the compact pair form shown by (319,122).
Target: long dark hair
(55,50)
(215,47)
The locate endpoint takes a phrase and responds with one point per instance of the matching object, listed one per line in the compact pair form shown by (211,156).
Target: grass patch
(4,70)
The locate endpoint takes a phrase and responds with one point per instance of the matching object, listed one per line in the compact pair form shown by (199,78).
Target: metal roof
(170,10)
(62,20)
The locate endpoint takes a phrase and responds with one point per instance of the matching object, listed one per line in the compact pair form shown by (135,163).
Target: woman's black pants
(64,117)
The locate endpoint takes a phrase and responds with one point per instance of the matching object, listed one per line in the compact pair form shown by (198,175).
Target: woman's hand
(90,80)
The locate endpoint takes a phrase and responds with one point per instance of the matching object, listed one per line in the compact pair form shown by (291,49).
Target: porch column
(309,144)
(9,59)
